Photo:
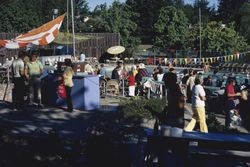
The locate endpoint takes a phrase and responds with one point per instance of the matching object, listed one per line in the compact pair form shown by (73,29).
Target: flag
(42,35)
(195,60)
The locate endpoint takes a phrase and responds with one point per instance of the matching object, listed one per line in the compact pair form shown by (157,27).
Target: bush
(213,124)
(137,109)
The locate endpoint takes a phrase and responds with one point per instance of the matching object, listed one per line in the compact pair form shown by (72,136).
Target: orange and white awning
(40,36)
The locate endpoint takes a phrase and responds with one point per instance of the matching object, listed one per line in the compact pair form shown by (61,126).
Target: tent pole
(73,28)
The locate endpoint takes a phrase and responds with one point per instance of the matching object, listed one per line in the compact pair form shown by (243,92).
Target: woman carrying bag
(68,83)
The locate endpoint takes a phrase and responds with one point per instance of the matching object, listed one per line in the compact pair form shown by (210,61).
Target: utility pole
(200,27)
(73,28)
(67,25)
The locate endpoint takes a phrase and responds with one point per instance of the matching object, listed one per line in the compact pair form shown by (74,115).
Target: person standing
(160,74)
(68,83)
(18,79)
(26,59)
(190,83)
(198,105)
(88,69)
(170,80)
(103,72)
(82,57)
(244,106)
(142,72)
(33,71)
(116,73)
(97,70)
(131,84)
(231,96)
(175,108)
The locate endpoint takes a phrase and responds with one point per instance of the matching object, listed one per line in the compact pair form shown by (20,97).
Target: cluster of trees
(167,24)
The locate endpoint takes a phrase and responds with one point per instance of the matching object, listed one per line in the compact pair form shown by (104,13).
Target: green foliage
(244,21)
(24,15)
(225,39)
(213,124)
(228,10)
(238,12)
(215,37)
(171,28)
(207,12)
(19,16)
(117,19)
(141,108)
(81,12)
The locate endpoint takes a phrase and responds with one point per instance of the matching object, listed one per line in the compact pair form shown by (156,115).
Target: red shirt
(131,80)
(230,90)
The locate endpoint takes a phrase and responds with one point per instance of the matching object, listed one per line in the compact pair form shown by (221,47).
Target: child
(131,83)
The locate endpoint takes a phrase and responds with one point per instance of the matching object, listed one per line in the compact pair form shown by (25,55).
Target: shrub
(137,109)
(213,124)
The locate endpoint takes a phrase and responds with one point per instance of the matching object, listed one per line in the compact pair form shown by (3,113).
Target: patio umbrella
(114,50)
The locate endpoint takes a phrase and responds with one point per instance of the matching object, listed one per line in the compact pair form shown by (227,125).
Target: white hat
(243,87)
(141,65)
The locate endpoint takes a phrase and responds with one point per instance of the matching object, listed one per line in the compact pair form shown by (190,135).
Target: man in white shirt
(18,79)
(198,104)
(82,57)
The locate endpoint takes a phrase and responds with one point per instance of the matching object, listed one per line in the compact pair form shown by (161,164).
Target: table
(85,92)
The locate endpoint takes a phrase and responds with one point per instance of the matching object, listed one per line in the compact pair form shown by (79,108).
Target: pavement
(69,125)
(73,126)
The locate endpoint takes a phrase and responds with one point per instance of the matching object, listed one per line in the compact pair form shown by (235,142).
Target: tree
(117,19)
(244,21)
(207,13)
(23,15)
(81,12)
(228,10)
(216,37)
(148,12)
(19,16)
(171,29)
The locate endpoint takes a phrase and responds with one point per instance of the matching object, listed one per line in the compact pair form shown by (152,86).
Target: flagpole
(73,28)
(67,25)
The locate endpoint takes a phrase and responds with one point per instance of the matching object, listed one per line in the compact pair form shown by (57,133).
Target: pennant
(238,56)
(166,60)
(180,60)
(232,57)
(195,60)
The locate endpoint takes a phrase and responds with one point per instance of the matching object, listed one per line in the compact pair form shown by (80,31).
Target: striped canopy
(40,36)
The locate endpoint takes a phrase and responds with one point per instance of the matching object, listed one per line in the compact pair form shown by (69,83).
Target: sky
(93,3)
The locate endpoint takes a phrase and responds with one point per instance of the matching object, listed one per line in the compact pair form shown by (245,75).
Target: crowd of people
(133,76)
(191,89)
(27,71)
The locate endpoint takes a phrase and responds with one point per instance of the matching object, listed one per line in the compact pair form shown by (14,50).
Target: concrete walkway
(33,119)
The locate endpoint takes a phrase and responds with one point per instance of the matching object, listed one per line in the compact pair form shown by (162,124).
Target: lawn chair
(112,87)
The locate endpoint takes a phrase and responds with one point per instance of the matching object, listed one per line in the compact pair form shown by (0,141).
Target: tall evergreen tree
(228,10)
(148,11)
(244,21)
(207,12)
